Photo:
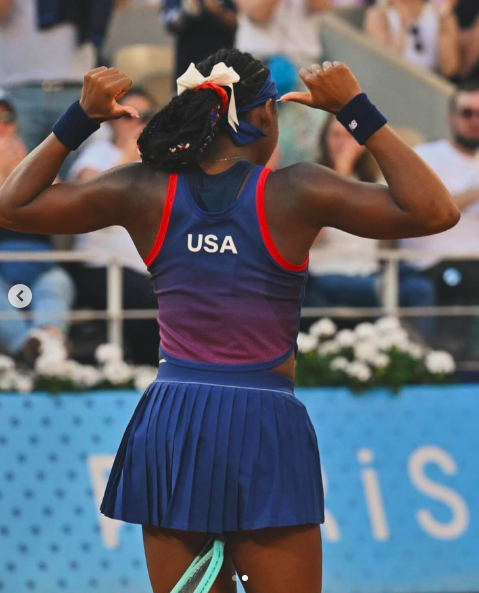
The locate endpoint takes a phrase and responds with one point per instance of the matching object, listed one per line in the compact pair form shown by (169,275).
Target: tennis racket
(204,569)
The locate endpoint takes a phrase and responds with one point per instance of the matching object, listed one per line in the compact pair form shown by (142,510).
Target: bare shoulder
(304,181)
(137,179)
(312,194)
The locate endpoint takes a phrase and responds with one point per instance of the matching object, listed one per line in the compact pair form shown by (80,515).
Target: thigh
(169,553)
(279,559)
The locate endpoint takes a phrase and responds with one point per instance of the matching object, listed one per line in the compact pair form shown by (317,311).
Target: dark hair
(177,135)
(138,91)
(8,107)
(365,168)
(471,86)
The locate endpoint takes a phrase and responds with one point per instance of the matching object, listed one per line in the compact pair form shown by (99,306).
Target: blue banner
(401,476)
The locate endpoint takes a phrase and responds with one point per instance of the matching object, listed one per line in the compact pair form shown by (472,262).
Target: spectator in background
(46,47)
(201,28)
(280,28)
(91,278)
(467,12)
(284,34)
(52,289)
(424,32)
(346,280)
(456,162)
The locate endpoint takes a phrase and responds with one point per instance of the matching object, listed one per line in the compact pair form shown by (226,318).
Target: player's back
(227,299)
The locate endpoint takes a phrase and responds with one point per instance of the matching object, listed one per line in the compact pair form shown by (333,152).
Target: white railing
(115,314)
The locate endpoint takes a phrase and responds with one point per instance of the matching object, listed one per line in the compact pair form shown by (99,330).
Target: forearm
(318,5)
(5,6)
(414,187)
(33,175)
(227,18)
(469,46)
(257,11)
(376,26)
(449,51)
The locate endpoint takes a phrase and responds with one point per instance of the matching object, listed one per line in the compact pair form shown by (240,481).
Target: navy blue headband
(246,132)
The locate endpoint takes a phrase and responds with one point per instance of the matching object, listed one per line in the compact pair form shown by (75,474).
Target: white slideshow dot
(234,577)
(244,577)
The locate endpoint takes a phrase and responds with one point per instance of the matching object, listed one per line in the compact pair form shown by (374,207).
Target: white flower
(55,350)
(17,382)
(306,342)
(108,352)
(440,363)
(330,347)
(6,363)
(395,339)
(365,351)
(339,363)
(346,338)
(359,371)
(118,372)
(22,383)
(324,328)
(49,367)
(365,331)
(387,324)
(6,381)
(144,376)
(414,350)
(89,376)
(381,360)
(51,345)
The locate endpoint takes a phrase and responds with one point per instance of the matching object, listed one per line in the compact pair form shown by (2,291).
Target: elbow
(7,214)
(6,221)
(445,220)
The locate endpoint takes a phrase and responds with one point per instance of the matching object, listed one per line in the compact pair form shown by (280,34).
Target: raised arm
(259,12)
(318,5)
(29,201)
(448,43)
(226,16)
(414,203)
(5,6)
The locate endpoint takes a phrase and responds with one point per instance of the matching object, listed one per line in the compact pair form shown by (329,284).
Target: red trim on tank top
(263,225)
(165,219)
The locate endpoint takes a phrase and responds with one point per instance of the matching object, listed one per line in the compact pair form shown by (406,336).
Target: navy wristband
(361,118)
(74,127)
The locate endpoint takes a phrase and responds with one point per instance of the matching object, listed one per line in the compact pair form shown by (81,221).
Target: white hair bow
(221,75)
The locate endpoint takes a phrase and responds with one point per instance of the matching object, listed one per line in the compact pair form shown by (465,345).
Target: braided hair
(177,136)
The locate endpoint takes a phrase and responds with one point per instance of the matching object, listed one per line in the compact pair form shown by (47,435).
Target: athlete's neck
(223,148)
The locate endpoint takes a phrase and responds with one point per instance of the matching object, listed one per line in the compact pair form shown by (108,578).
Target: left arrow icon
(20,296)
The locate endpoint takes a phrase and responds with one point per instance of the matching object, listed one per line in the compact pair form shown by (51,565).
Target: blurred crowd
(41,76)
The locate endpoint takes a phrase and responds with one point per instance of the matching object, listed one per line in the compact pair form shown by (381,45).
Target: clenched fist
(331,87)
(102,89)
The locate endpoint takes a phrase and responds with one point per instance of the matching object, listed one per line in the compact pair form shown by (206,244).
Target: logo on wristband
(353,125)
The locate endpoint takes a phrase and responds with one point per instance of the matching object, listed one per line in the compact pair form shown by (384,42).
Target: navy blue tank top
(226,298)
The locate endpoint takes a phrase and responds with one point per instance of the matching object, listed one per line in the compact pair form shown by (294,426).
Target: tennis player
(219,444)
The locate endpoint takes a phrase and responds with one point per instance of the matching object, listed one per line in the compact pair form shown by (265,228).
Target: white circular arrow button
(20,296)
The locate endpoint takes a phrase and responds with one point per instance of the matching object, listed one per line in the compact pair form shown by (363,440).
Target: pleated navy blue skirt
(217,451)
